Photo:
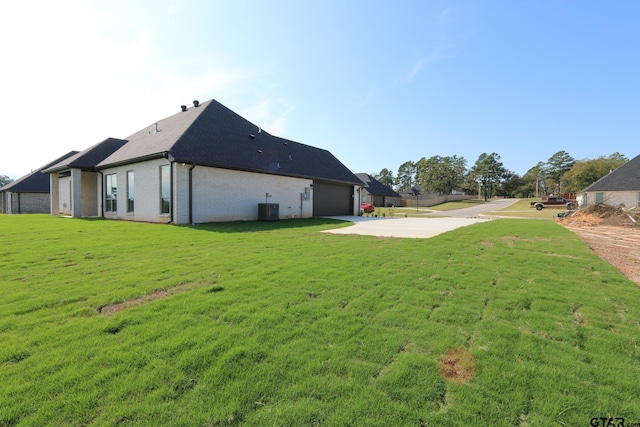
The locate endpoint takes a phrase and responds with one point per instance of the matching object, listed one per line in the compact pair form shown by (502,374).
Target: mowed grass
(522,209)
(279,324)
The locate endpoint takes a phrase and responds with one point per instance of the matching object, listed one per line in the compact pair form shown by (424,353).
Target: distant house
(203,164)
(29,194)
(75,181)
(376,193)
(619,187)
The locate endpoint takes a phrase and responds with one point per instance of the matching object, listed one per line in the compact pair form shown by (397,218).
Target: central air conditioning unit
(268,211)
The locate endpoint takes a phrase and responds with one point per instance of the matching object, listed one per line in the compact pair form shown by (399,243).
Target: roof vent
(196,103)
(259,129)
(252,136)
(259,151)
(183,107)
(156,130)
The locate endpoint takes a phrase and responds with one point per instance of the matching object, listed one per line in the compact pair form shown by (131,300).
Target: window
(165,187)
(130,191)
(599,197)
(111,196)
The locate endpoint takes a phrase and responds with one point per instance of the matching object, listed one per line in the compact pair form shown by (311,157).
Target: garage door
(332,200)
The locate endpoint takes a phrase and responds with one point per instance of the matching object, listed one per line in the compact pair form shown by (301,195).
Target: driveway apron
(420,227)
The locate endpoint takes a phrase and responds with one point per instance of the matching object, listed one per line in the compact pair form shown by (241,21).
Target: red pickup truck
(554,202)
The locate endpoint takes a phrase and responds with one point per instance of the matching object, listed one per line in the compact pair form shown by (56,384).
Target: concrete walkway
(420,227)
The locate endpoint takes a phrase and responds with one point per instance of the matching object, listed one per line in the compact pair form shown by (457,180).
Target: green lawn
(275,323)
(522,209)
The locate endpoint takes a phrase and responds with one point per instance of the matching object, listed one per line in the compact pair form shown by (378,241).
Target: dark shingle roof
(375,187)
(213,135)
(625,178)
(89,158)
(36,181)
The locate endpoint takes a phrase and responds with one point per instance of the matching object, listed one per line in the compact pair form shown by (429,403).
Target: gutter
(191,194)
(171,163)
(101,193)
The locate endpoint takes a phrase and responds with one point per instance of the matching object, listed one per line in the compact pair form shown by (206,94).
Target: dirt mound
(612,233)
(602,214)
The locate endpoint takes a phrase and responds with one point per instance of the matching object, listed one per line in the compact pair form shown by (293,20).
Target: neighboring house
(29,194)
(377,193)
(620,187)
(203,164)
(76,181)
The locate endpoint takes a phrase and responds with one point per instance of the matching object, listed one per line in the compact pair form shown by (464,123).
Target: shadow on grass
(246,226)
(255,226)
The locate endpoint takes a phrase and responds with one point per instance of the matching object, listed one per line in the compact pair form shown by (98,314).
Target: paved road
(420,227)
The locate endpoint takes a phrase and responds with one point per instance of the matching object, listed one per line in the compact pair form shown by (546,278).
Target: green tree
(488,172)
(441,174)
(586,172)
(405,178)
(386,177)
(4,180)
(557,166)
(512,184)
(535,181)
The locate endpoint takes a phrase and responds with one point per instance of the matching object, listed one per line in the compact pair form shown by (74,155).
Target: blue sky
(377,83)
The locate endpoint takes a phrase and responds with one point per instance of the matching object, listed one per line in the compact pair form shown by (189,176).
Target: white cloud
(270,114)
(417,66)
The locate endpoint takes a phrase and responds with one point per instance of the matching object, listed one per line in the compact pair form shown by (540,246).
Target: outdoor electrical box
(268,211)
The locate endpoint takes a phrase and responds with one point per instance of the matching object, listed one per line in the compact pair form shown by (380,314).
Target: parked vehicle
(367,207)
(554,202)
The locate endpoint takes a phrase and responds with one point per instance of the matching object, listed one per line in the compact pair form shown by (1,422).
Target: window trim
(111,197)
(599,197)
(130,192)
(165,201)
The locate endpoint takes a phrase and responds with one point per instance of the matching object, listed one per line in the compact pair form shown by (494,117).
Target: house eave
(267,172)
(155,156)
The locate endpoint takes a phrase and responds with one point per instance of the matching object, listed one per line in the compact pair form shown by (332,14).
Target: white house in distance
(203,164)
(30,193)
(620,187)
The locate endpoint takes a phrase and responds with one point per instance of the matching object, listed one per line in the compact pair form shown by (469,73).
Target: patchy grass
(274,323)
(521,209)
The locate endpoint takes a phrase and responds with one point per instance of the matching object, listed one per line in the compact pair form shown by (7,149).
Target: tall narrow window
(111,194)
(165,187)
(130,191)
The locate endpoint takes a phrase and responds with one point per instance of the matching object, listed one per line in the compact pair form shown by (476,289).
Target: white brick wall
(218,194)
(229,195)
(615,198)
(64,195)
(147,191)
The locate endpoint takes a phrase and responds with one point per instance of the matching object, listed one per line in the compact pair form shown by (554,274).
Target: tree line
(488,176)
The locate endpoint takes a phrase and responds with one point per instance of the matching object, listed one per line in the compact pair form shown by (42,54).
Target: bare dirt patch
(612,234)
(457,365)
(111,309)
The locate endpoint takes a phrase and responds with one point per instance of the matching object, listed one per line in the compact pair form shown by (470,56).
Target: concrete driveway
(420,227)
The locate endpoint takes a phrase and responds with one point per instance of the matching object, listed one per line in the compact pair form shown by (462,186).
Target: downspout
(101,194)
(171,191)
(191,194)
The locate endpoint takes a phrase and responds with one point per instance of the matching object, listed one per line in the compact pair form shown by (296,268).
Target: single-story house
(31,193)
(203,164)
(74,182)
(376,193)
(619,187)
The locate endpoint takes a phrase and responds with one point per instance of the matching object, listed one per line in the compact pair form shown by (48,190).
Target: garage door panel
(332,199)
